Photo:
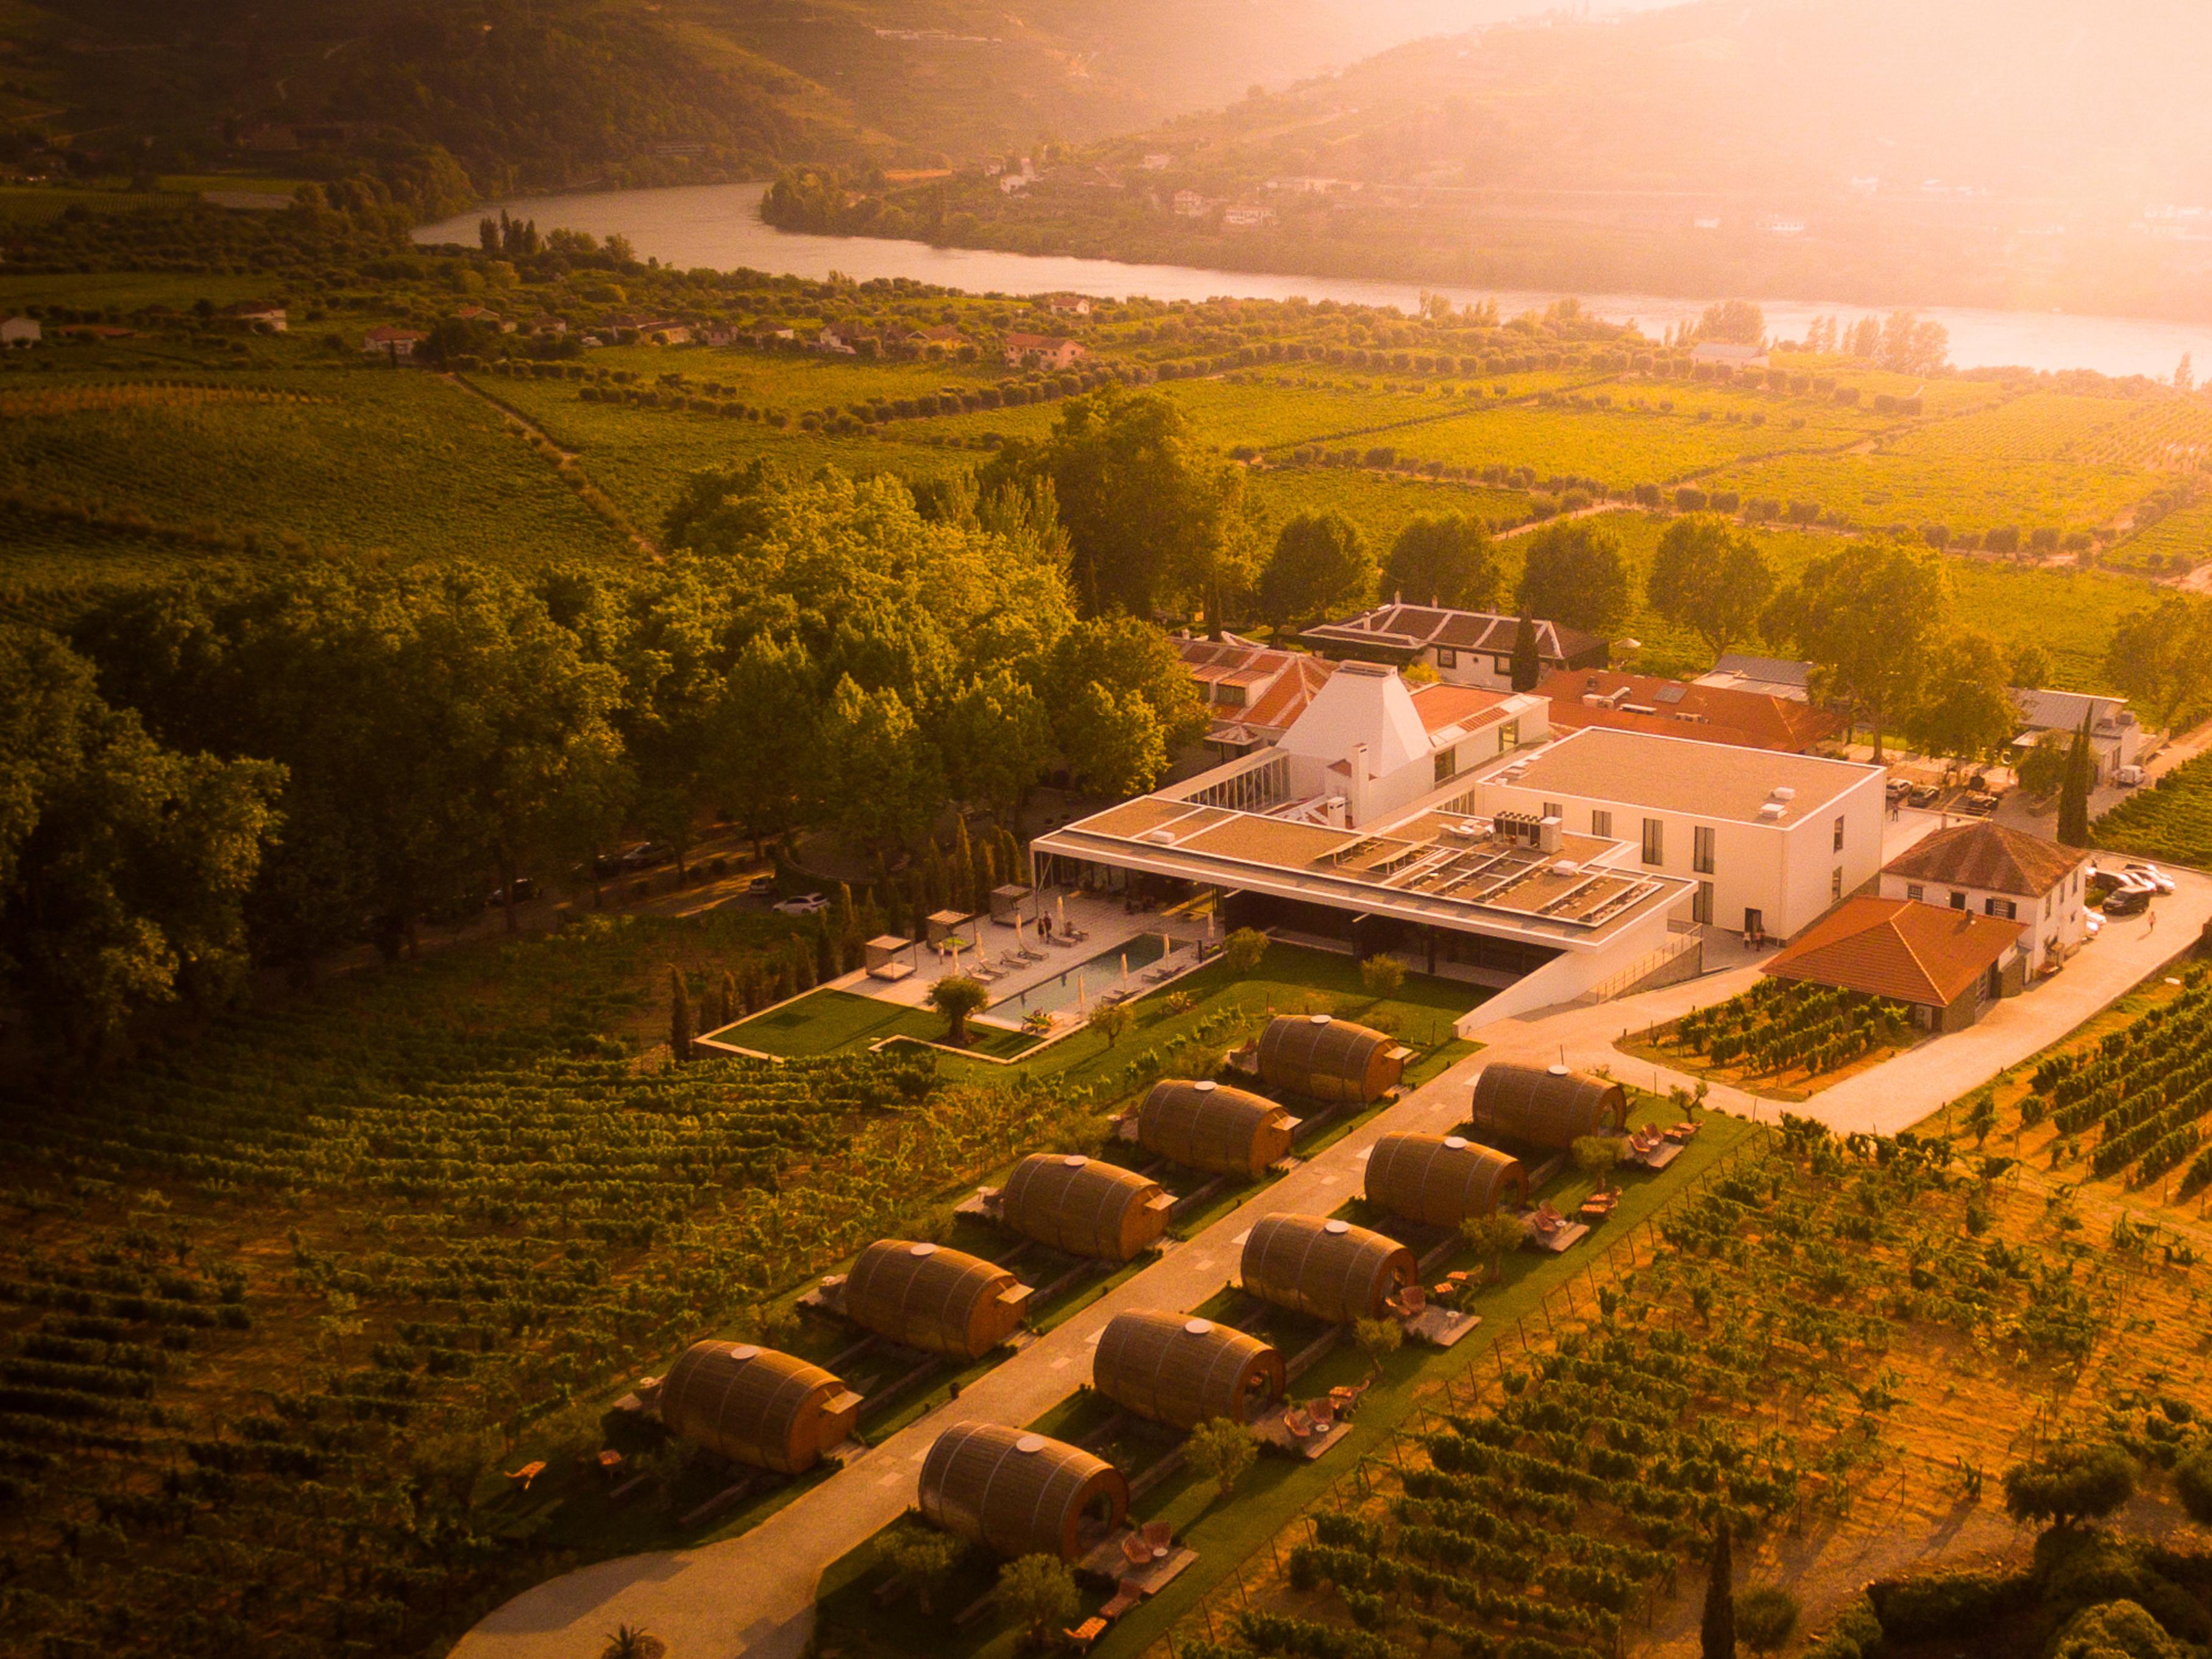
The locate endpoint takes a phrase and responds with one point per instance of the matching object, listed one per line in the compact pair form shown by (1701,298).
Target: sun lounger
(1088,1631)
(520,1479)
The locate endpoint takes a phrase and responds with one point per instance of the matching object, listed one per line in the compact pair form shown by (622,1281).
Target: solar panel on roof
(1669,694)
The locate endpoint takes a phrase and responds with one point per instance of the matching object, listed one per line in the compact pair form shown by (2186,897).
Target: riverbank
(720,226)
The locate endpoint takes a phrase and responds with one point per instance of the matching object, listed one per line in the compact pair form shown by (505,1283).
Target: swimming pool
(1099,974)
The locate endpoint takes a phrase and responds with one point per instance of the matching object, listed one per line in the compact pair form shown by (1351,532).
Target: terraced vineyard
(2171,820)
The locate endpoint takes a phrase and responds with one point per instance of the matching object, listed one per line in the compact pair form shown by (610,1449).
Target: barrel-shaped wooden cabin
(1182,1371)
(1020,1494)
(1330,1269)
(1206,1126)
(757,1406)
(1328,1060)
(926,1296)
(1544,1106)
(1440,1181)
(1084,1205)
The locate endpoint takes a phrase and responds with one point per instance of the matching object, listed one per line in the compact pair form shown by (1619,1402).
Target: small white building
(1991,871)
(21,331)
(2115,734)
(262,315)
(397,343)
(1770,840)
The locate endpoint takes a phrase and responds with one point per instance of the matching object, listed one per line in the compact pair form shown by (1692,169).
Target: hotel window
(1701,907)
(2046,905)
(1446,657)
(1915,891)
(1836,883)
(1958,900)
(2003,908)
(1232,695)
(1509,736)
(1701,849)
(1654,841)
(1601,824)
(1447,764)
(1552,810)
(1839,834)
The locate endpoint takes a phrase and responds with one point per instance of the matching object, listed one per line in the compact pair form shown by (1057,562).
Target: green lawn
(1228,1532)
(823,1021)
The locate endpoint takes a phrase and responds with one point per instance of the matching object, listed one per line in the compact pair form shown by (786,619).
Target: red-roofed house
(1466,647)
(1710,713)
(1946,965)
(1042,352)
(1253,692)
(397,343)
(1986,869)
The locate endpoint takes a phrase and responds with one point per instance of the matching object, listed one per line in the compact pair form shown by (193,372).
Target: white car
(2094,923)
(806,904)
(2151,873)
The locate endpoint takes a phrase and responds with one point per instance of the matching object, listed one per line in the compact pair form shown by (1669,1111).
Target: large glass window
(1654,841)
(1602,824)
(1701,907)
(1447,764)
(1701,849)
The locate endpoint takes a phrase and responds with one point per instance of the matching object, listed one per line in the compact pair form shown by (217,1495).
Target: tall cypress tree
(731,1004)
(1716,1631)
(2073,792)
(681,1028)
(1528,663)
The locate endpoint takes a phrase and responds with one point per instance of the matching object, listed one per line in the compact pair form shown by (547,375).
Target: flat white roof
(1680,774)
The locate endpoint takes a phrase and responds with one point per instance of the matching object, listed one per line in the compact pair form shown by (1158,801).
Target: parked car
(2128,902)
(806,904)
(2092,924)
(2129,777)
(1897,789)
(1978,802)
(646,853)
(2151,873)
(525,890)
(1925,795)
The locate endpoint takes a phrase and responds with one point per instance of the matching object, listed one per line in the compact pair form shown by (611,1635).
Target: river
(720,226)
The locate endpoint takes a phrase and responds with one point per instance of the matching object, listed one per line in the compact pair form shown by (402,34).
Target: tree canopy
(1710,577)
(1445,561)
(1574,574)
(1868,614)
(1321,564)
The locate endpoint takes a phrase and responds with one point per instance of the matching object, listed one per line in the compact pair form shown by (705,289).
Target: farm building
(2115,735)
(1946,965)
(1466,647)
(396,343)
(941,1301)
(1084,1205)
(757,1406)
(1182,1371)
(1441,1181)
(1329,1269)
(1020,1494)
(1329,1060)
(1772,677)
(1203,1126)
(1547,1106)
(1987,868)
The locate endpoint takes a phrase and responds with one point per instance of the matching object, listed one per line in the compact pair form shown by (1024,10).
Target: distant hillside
(556,92)
(2011,152)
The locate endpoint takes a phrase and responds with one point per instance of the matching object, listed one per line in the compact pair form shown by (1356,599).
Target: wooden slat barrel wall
(1214,1128)
(941,1301)
(1441,1180)
(1182,1371)
(1547,1106)
(1019,1494)
(1329,1269)
(1084,1205)
(755,1406)
(1327,1060)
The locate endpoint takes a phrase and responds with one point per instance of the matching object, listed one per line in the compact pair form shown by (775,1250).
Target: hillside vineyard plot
(2172,820)
(344,460)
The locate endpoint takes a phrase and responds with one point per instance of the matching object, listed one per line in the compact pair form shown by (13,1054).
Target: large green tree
(1709,577)
(996,738)
(2162,657)
(1445,561)
(883,781)
(1151,511)
(1574,574)
(1868,614)
(1121,703)
(1965,708)
(124,865)
(1321,564)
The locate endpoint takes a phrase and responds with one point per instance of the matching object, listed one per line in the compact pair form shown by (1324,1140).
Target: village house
(1772,676)
(944,336)
(1247,215)
(397,343)
(1189,204)
(1466,647)
(842,338)
(484,317)
(1946,966)
(1254,693)
(263,315)
(1042,352)
(21,331)
(2115,735)
(1644,703)
(1991,871)
(546,328)
(1068,305)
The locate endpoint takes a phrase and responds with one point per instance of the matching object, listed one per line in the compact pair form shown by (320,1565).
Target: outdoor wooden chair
(519,1479)
(1412,1300)
(1127,1594)
(1159,1537)
(1323,1412)
(1135,1551)
(1300,1423)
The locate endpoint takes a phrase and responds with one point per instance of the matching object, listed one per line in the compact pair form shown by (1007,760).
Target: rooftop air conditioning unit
(1566,867)
(1771,812)
(1160,837)
(1784,794)
(1548,834)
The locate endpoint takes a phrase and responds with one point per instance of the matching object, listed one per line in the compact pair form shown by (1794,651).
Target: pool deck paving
(754,1594)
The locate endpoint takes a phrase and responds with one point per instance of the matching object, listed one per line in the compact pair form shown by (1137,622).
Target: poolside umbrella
(1125,969)
(1061,902)
(1079,1007)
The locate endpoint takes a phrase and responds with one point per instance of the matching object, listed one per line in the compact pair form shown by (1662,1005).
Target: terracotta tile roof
(1710,713)
(1440,706)
(1285,681)
(1990,857)
(1926,954)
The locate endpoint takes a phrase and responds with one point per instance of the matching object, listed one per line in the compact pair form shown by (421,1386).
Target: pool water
(1099,975)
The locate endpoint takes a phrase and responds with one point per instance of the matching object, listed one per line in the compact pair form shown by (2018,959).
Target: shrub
(1765,1618)
(1038,1592)
(1241,951)
(2078,1481)
(1382,976)
(1221,1450)
(2192,1483)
